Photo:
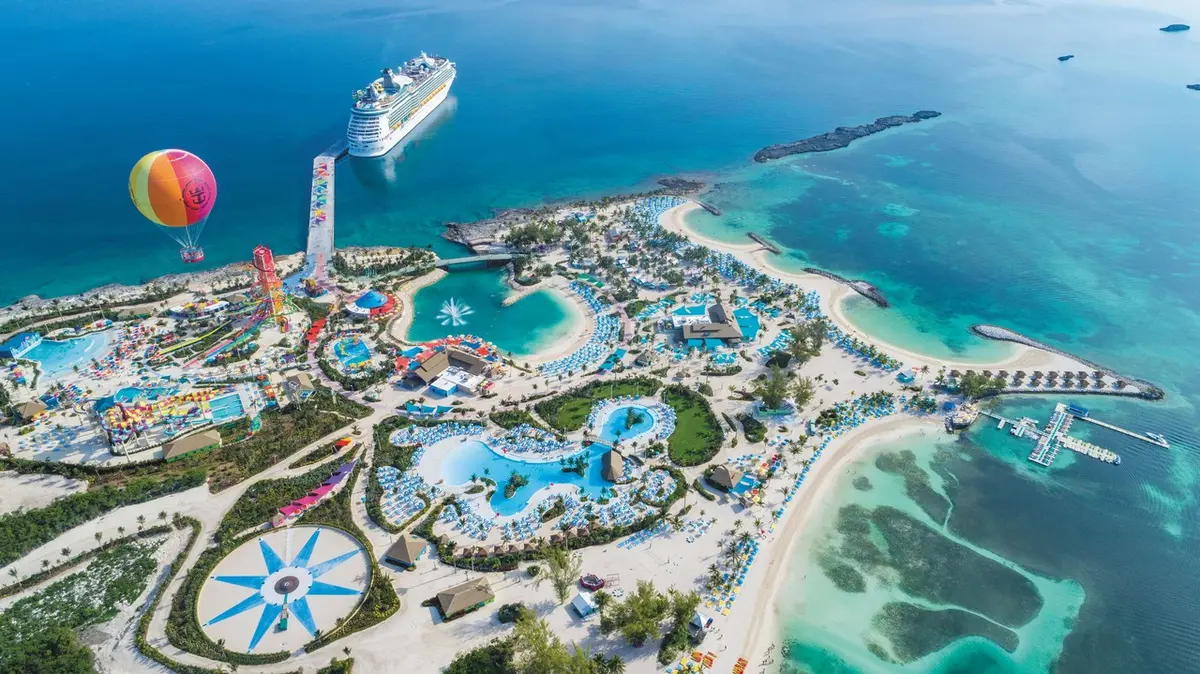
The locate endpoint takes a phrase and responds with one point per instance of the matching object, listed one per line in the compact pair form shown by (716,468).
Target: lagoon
(531,322)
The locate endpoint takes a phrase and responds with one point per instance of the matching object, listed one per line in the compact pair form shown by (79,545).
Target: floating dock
(1055,436)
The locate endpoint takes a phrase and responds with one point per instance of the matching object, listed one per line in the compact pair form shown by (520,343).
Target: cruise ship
(393,105)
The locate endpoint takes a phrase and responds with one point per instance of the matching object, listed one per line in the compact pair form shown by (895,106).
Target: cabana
(584,604)
(464,598)
(405,551)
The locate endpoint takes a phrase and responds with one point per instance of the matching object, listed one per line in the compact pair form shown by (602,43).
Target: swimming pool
(351,352)
(227,408)
(56,358)
(615,428)
(473,457)
(130,394)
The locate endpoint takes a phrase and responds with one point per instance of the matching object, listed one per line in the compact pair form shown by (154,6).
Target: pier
(1056,435)
(1124,431)
(320,212)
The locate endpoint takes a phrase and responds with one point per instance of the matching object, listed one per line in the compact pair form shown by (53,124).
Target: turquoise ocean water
(1058,199)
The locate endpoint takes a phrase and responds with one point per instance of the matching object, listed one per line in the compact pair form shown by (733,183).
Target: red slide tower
(272,287)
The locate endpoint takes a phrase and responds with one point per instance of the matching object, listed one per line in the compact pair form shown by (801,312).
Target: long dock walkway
(1123,431)
(320,212)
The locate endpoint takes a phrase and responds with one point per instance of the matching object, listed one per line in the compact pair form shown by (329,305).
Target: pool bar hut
(464,598)
(405,551)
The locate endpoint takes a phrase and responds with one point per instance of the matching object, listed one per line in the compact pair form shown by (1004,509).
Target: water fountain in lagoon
(454,313)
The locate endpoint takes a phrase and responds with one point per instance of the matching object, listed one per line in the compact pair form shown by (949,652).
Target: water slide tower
(269,283)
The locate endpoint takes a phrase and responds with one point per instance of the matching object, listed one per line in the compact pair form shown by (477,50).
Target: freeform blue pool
(473,457)
(227,408)
(58,357)
(351,352)
(615,425)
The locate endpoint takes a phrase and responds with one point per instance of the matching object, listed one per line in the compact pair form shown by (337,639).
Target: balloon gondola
(175,190)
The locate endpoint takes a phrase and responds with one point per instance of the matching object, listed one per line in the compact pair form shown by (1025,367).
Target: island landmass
(840,137)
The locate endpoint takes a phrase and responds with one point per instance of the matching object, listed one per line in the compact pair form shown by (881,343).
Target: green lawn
(569,411)
(698,435)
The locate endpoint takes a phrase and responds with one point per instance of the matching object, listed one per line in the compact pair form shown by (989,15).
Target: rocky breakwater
(858,285)
(1145,389)
(840,137)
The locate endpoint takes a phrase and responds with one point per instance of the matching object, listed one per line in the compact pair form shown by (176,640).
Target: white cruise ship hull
(389,141)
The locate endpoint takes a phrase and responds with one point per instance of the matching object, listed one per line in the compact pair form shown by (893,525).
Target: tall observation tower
(272,287)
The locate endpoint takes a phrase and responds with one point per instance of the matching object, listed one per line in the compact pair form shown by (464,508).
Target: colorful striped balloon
(173,188)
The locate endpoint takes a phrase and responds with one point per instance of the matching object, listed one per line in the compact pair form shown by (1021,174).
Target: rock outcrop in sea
(858,285)
(1175,28)
(1194,87)
(841,136)
(1066,57)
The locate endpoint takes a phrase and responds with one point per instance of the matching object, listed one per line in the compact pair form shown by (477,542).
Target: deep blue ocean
(1056,198)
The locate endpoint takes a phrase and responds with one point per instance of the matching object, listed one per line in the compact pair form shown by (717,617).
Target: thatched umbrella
(531,547)
(1097,374)
(1081,374)
(1037,374)
(971,372)
(556,538)
(1068,375)
(582,531)
(1002,373)
(955,373)
(1021,373)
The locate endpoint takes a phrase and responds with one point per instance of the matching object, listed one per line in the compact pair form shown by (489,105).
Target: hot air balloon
(176,190)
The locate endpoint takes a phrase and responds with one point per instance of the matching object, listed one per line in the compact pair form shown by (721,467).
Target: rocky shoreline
(1146,389)
(858,285)
(481,236)
(840,137)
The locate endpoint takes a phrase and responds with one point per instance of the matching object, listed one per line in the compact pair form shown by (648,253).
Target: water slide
(180,345)
(234,338)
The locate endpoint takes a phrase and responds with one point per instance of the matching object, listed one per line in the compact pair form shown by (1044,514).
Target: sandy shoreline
(764,628)
(834,295)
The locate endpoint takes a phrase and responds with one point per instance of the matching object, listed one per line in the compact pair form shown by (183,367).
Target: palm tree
(65,552)
(162,515)
(45,563)
(98,536)
(121,531)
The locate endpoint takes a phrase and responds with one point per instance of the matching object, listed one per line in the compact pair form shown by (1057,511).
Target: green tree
(974,386)
(51,651)
(536,650)
(562,569)
(773,389)
(802,391)
(639,617)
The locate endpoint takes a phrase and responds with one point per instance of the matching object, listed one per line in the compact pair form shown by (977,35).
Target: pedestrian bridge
(490,260)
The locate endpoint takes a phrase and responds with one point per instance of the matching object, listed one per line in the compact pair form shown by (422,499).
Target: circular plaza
(276,591)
